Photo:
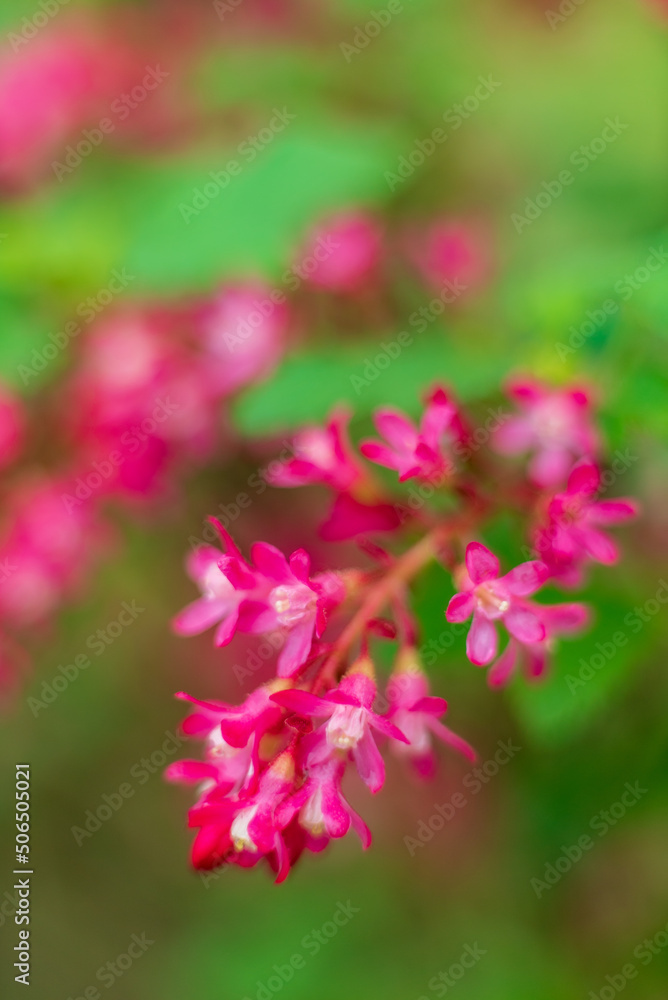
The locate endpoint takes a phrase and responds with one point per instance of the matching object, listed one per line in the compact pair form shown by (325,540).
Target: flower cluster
(270,784)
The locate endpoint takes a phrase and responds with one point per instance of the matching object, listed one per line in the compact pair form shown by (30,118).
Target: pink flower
(490,598)
(321,455)
(341,252)
(348,709)
(554,424)
(60,82)
(414,451)
(296,605)
(558,619)
(243,829)
(12,426)
(321,809)
(47,546)
(451,251)
(225,586)
(271,595)
(243,335)
(416,713)
(574,520)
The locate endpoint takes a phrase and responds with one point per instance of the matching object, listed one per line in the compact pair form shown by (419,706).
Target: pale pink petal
(386,727)
(481,564)
(526,578)
(460,608)
(296,648)
(600,546)
(550,466)
(481,642)
(200,560)
(190,771)
(360,828)
(225,631)
(514,436)
(199,616)
(612,511)
(369,762)
(380,454)
(524,625)
(396,428)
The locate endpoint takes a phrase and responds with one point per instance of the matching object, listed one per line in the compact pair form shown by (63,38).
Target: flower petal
(460,607)
(524,625)
(369,762)
(199,616)
(526,578)
(481,642)
(481,564)
(387,728)
(296,649)
(302,702)
(271,562)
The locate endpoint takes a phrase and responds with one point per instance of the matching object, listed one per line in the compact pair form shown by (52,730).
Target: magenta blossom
(558,619)
(242,830)
(270,595)
(415,451)
(243,335)
(451,251)
(490,598)
(12,426)
(555,424)
(321,455)
(575,518)
(321,809)
(416,713)
(348,709)
(226,582)
(341,252)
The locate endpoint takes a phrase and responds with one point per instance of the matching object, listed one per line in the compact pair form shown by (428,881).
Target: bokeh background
(560,71)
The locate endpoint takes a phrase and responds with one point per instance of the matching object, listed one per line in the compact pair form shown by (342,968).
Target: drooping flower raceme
(272,778)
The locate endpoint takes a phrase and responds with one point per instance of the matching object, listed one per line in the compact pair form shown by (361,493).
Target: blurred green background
(470,883)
